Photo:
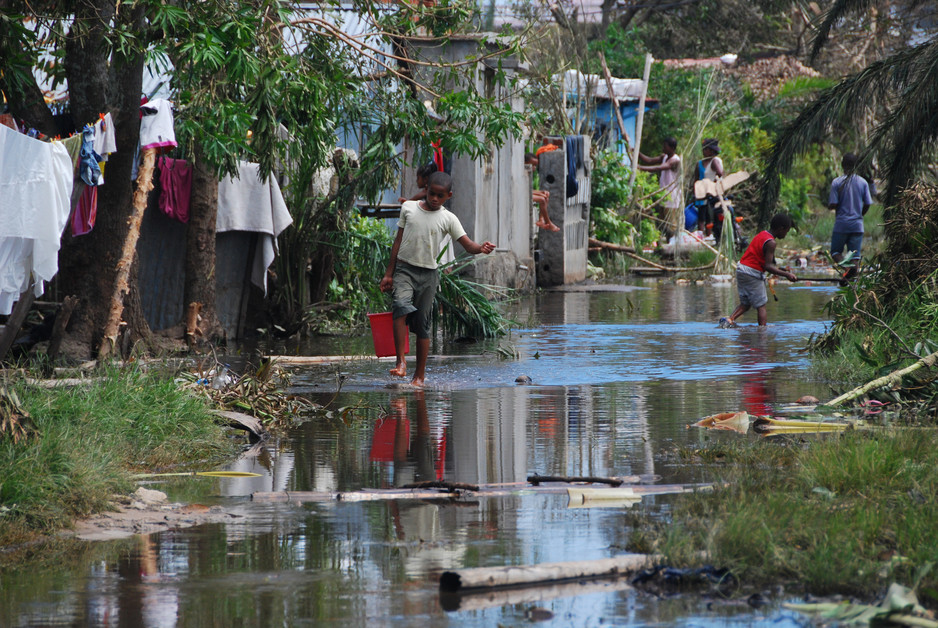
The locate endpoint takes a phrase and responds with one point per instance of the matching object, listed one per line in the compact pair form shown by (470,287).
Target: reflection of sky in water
(569,355)
(619,376)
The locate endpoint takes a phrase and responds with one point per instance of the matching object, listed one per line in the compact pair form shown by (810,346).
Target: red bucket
(382,333)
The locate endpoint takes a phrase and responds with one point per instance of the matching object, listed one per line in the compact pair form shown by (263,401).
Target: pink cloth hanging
(176,186)
(86,211)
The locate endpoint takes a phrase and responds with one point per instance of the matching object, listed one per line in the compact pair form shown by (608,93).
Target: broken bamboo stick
(527,575)
(886,380)
(537,479)
(121,283)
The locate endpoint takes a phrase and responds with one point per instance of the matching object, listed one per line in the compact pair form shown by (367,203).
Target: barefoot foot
(399,371)
(417,382)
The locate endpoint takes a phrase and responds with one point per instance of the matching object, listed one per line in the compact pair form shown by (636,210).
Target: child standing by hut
(758,259)
(412,275)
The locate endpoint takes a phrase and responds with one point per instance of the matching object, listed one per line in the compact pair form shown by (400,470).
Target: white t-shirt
(710,172)
(423,233)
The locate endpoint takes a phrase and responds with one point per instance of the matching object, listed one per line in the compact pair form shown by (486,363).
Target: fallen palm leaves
(259,393)
(14,421)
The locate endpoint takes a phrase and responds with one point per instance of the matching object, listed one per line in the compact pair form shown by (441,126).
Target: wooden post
(640,121)
(615,100)
(121,284)
(15,320)
(61,322)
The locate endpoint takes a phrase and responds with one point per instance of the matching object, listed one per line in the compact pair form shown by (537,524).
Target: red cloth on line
(176,187)
(85,212)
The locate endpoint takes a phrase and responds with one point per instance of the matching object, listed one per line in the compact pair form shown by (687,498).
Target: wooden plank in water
(310,360)
(378,494)
(481,578)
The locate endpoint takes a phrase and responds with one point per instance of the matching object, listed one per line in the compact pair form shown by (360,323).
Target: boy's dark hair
(849,162)
(441,179)
(528,157)
(670,141)
(426,170)
(781,221)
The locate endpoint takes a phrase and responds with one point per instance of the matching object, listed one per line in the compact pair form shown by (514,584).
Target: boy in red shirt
(758,259)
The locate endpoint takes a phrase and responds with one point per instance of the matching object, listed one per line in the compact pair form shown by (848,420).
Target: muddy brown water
(617,374)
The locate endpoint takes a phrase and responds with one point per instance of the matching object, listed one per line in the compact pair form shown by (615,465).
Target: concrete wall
(563,253)
(491,195)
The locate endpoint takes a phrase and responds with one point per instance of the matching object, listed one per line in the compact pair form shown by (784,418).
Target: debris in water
(523,379)
(733,421)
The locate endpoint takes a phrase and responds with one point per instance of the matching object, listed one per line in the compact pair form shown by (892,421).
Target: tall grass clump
(846,514)
(87,442)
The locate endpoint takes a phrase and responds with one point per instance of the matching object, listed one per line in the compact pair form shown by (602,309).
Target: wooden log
(593,242)
(308,360)
(528,575)
(496,598)
(15,320)
(537,479)
(121,284)
(449,486)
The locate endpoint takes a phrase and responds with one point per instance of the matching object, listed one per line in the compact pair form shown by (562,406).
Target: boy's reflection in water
(418,465)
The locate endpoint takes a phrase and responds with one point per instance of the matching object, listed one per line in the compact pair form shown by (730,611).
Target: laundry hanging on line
(250,204)
(35,188)
(175,188)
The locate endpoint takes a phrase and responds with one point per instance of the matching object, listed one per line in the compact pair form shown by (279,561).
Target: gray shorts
(413,294)
(751,290)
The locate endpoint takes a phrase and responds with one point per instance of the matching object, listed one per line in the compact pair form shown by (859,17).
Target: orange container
(382,333)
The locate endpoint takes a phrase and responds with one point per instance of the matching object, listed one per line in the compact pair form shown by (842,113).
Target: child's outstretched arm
(387,282)
(474,248)
(768,250)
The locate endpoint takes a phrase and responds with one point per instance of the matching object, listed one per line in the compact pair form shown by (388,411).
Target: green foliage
(365,249)
(467,308)
(90,438)
(804,512)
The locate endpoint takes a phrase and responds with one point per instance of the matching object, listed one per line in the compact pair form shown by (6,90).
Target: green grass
(90,439)
(847,514)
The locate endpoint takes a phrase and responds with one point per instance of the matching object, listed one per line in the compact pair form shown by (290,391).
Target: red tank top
(754,257)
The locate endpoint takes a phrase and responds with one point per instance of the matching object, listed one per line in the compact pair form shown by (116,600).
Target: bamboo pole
(527,575)
(640,121)
(886,380)
(615,100)
(494,598)
(121,284)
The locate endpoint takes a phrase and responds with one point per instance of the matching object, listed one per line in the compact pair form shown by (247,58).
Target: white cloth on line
(35,189)
(156,125)
(249,204)
(105,139)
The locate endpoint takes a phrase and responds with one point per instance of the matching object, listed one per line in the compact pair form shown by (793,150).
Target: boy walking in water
(412,274)
(850,197)
(759,258)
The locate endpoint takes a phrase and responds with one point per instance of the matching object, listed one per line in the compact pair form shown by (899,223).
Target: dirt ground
(147,511)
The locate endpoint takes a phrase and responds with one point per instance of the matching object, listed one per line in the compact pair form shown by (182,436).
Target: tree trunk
(200,284)
(88,265)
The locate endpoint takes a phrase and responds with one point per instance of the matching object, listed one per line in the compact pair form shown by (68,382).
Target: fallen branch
(450,486)
(887,380)
(537,479)
(593,242)
(673,269)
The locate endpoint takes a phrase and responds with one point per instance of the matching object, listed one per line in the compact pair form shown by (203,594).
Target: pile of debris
(766,76)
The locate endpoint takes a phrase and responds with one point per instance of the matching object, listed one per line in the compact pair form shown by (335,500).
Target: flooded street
(617,373)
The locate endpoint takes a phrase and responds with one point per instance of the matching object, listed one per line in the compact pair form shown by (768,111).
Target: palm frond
(837,11)
(894,79)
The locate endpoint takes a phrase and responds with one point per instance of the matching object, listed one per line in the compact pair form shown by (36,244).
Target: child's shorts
(413,294)
(751,290)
